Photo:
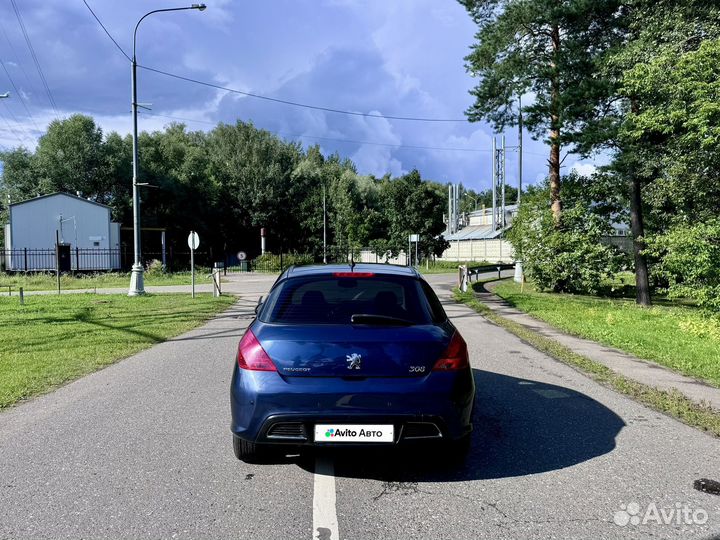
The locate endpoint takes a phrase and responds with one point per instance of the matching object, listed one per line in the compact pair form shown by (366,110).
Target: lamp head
(199,7)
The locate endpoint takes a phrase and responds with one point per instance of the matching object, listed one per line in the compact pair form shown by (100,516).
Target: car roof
(376,268)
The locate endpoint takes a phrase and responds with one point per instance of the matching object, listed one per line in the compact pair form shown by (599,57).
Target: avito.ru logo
(341,433)
(680,514)
(332,432)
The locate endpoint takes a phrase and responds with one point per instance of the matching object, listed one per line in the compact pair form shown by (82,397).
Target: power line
(267,98)
(16,55)
(107,32)
(353,141)
(19,94)
(297,104)
(391,145)
(21,128)
(34,56)
(10,129)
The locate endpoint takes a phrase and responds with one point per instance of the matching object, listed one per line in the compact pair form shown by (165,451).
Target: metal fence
(67,259)
(73,259)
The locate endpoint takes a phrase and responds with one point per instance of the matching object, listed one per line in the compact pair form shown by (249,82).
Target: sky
(402,58)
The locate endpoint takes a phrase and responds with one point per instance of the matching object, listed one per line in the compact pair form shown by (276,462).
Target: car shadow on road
(521,427)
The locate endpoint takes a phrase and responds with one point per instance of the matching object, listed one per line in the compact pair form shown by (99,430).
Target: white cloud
(377,160)
(402,58)
(584,169)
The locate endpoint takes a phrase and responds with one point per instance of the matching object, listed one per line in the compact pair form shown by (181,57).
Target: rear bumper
(299,429)
(269,408)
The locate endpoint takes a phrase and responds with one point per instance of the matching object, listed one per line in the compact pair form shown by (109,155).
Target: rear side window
(327,299)
(436,309)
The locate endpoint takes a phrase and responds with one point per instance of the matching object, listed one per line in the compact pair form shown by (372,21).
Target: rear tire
(247,451)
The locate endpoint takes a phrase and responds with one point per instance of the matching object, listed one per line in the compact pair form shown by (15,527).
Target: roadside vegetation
(636,81)
(673,403)
(230,183)
(55,339)
(683,338)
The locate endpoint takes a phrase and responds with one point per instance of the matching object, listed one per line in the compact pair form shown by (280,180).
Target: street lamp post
(137,286)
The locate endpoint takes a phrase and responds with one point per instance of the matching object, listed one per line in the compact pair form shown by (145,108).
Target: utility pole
(498,220)
(324,227)
(137,286)
(494,185)
(449,223)
(520,156)
(502,187)
(519,275)
(456,216)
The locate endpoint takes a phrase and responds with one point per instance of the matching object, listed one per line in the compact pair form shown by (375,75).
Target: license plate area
(354,433)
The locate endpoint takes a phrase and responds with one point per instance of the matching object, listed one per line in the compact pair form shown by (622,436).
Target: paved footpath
(648,373)
(142,449)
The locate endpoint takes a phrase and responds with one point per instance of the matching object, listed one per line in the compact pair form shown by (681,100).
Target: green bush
(154,268)
(269,262)
(569,258)
(688,261)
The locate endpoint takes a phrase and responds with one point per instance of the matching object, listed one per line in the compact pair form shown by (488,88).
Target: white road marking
(325,522)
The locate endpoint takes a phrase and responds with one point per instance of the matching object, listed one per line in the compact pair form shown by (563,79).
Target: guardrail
(465,273)
(485,268)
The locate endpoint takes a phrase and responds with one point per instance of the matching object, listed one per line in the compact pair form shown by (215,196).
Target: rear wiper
(367,318)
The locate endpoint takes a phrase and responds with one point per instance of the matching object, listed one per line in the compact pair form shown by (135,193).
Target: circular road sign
(193,240)
(241,255)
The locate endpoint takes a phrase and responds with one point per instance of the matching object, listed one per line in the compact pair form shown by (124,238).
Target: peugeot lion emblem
(354,361)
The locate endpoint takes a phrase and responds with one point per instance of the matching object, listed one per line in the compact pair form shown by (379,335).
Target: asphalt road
(142,449)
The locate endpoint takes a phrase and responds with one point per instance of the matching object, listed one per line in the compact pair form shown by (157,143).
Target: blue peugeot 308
(350,355)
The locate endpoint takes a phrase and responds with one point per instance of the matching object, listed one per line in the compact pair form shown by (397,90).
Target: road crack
(510,520)
(405,488)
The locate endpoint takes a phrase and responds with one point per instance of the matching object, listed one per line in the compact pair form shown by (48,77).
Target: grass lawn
(55,339)
(682,338)
(48,282)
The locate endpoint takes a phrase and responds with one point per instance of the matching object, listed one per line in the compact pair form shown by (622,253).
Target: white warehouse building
(477,241)
(82,228)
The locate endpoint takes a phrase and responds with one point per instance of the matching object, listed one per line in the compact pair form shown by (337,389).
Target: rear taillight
(354,274)
(252,356)
(455,356)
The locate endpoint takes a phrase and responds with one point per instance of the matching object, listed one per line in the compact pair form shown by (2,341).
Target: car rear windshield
(329,299)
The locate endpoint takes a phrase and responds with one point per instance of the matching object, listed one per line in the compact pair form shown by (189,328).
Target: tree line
(229,183)
(636,82)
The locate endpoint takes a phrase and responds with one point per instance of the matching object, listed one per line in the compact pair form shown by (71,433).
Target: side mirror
(258,305)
